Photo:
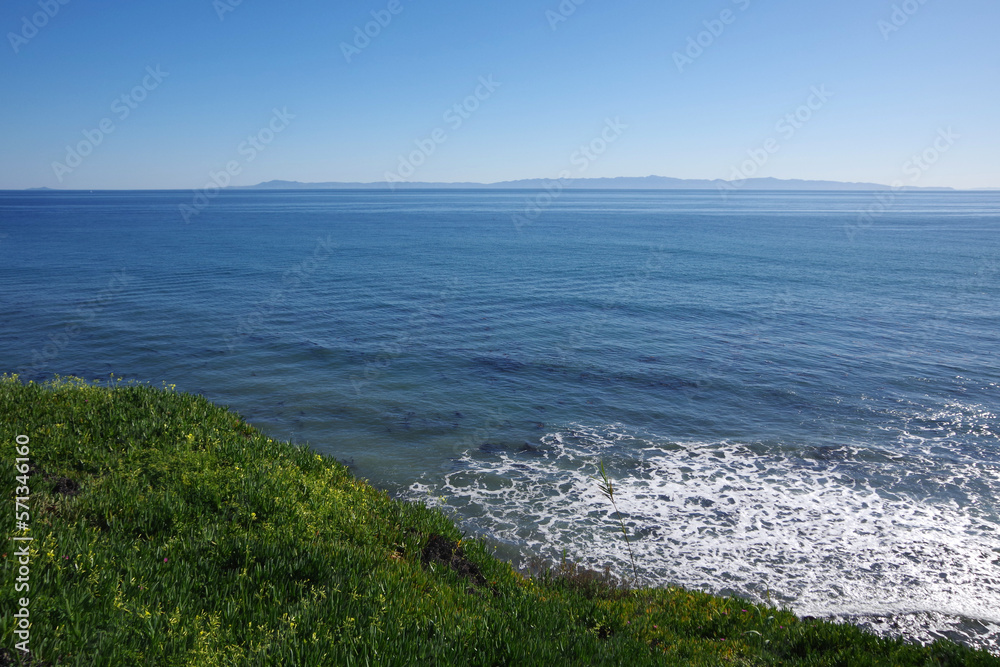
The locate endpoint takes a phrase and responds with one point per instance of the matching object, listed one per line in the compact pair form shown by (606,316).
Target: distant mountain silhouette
(619,183)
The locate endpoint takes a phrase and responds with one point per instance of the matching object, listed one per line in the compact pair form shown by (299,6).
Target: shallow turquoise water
(792,406)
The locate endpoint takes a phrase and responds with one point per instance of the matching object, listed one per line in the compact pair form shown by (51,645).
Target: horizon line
(561,182)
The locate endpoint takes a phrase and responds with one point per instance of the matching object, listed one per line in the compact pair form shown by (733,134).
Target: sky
(103,94)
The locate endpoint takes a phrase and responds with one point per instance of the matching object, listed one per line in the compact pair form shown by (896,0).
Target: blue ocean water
(797,404)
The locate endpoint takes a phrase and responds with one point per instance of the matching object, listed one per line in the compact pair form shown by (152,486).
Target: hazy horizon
(119,96)
(576,183)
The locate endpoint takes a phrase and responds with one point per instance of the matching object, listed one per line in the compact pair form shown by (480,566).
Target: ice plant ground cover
(167,531)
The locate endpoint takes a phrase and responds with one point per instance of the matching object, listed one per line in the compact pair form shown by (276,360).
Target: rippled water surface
(794,406)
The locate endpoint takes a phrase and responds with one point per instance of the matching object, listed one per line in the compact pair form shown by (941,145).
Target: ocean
(795,393)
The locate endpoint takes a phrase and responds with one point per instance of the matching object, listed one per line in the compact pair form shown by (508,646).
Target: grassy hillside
(169,532)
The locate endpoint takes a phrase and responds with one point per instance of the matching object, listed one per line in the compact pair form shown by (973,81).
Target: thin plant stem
(607,488)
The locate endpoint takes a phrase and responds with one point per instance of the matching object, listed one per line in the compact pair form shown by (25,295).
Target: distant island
(619,183)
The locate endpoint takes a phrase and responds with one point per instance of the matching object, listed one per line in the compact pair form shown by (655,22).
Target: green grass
(169,532)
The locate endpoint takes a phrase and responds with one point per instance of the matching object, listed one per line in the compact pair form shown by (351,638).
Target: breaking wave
(904,543)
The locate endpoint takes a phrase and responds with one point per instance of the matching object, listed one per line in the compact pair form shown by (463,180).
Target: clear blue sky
(892,92)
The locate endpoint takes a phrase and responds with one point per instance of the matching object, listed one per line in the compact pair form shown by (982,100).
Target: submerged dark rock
(503,364)
(492,448)
(525,448)
(530,449)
